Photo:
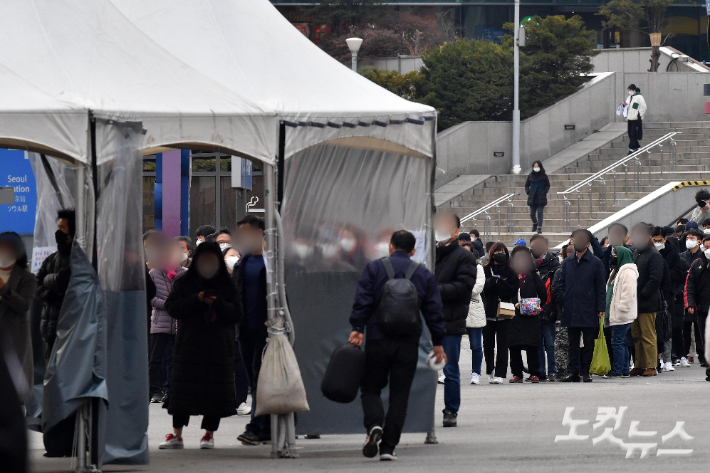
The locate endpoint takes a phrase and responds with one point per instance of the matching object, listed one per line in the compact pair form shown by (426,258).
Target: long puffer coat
(476,311)
(537,186)
(160,320)
(15,299)
(52,283)
(455,273)
(499,289)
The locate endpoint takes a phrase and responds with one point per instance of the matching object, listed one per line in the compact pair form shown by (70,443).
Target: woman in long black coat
(537,186)
(525,329)
(207,306)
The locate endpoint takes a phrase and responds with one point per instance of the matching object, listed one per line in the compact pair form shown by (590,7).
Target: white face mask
(707,253)
(442,236)
(302,251)
(706,231)
(183,258)
(328,250)
(536,169)
(659,246)
(6,259)
(224,246)
(382,249)
(690,244)
(197,243)
(348,244)
(231,261)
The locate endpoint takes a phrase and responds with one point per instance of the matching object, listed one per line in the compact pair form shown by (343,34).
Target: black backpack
(344,374)
(398,309)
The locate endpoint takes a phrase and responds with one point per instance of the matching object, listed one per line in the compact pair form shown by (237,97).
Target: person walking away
(455,273)
(537,185)
(163,328)
(525,328)
(475,322)
(621,308)
(637,109)
(17,289)
(582,287)
(250,277)
(501,285)
(697,297)
(53,279)
(393,355)
(650,266)
(702,211)
(207,306)
(546,265)
(664,245)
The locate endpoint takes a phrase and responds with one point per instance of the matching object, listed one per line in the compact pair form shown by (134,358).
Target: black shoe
(551,378)
(372,444)
(587,378)
(534,227)
(164,399)
(542,377)
(539,230)
(249,438)
(704,365)
(450,419)
(157,397)
(572,378)
(313,436)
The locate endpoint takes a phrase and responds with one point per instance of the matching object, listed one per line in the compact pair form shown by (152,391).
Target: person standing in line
(525,328)
(392,357)
(582,286)
(17,289)
(223,238)
(650,266)
(676,274)
(475,321)
(202,233)
(537,185)
(637,109)
(621,308)
(186,247)
(250,277)
(702,211)
(501,285)
(697,297)
(617,234)
(546,265)
(561,333)
(53,278)
(455,273)
(207,307)
(694,250)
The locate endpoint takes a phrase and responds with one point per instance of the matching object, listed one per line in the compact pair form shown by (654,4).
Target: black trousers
(159,364)
(396,360)
(694,323)
(516,360)
(496,332)
(210,423)
(588,334)
(241,379)
(252,341)
(635,129)
(678,326)
(537,213)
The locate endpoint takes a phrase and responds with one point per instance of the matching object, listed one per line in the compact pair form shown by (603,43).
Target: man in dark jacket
(583,287)
(392,357)
(478,248)
(250,277)
(455,274)
(546,264)
(650,266)
(668,251)
(697,297)
(53,278)
(693,244)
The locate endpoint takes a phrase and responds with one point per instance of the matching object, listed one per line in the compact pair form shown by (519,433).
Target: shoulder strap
(388,267)
(413,266)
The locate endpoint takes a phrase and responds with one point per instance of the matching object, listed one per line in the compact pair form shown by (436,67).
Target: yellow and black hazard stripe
(691,184)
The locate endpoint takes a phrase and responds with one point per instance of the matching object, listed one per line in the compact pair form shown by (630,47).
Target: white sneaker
(388,457)
(668,366)
(677,363)
(244,409)
(684,362)
(496,380)
(172,442)
(475,378)
(207,442)
(660,360)
(631,366)
(442,378)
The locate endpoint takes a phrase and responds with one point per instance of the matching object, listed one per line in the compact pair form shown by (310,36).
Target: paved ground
(501,428)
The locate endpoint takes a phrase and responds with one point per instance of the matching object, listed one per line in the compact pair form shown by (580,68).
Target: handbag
(506,310)
(600,358)
(530,306)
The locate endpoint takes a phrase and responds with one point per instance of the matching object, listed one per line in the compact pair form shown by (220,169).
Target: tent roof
(251,48)
(92,57)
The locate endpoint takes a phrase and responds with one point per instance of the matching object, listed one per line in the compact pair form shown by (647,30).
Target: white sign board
(39,254)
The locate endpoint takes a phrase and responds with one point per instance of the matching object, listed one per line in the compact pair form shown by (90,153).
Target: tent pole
(431,210)
(281,163)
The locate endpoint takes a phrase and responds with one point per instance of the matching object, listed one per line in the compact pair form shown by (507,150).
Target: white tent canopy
(251,48)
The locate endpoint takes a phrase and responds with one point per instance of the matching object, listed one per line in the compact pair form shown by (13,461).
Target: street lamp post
(516,92)
(354,46)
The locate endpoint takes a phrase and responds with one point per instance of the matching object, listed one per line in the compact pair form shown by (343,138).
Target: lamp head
(354,44)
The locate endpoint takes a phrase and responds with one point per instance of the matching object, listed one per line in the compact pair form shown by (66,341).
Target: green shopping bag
(600,360)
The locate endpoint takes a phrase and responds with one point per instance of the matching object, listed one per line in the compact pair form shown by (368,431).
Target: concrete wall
(637,60)
(468,148)
(401,64)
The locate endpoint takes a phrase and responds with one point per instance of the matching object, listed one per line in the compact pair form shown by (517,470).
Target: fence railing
(495,205)
(633,159)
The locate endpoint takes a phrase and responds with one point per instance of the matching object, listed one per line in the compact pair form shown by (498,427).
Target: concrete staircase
(693,163)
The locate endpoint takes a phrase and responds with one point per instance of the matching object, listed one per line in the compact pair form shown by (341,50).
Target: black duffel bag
(344,373)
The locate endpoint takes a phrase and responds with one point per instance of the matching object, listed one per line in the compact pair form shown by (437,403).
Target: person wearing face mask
(561,342)
(650,266)
(249,277)
(351,244)
(702,211)
(501,285)
(455,273)
(202,233)
(546,265)
(231,258)
(617,234)
(17,288)
(186,247)
(53,278)
(697,297)
(621,309)
(637,109)
(223,238)
(582,286)
(672,294)
(207,307)
(537,185)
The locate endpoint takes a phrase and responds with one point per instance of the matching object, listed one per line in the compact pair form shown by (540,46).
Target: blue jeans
(452,386)
(474,337)
(621,351)
(547,332)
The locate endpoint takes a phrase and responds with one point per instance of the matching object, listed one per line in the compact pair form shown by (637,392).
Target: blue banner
(16,172)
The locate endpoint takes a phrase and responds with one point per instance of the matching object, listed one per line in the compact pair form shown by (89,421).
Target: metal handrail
(621,162)
(487,207)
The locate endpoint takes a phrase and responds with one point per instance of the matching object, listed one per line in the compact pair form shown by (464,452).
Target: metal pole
(499,218)
(516,91)
(354,61)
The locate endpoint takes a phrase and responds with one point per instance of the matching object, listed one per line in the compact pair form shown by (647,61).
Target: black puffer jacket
(499,289)
(52,283)
(455,274)
(537,186)
(697,286)
(650,267)
(525,329)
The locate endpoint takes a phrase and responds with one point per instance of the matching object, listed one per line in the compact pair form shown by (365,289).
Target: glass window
(203,205)
(148,202)
(228,203)
(204,164)
(225,163)
(148,165)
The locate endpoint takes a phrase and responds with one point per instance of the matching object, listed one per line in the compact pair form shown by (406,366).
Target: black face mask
(500,258)
(62,245)
(702,204)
